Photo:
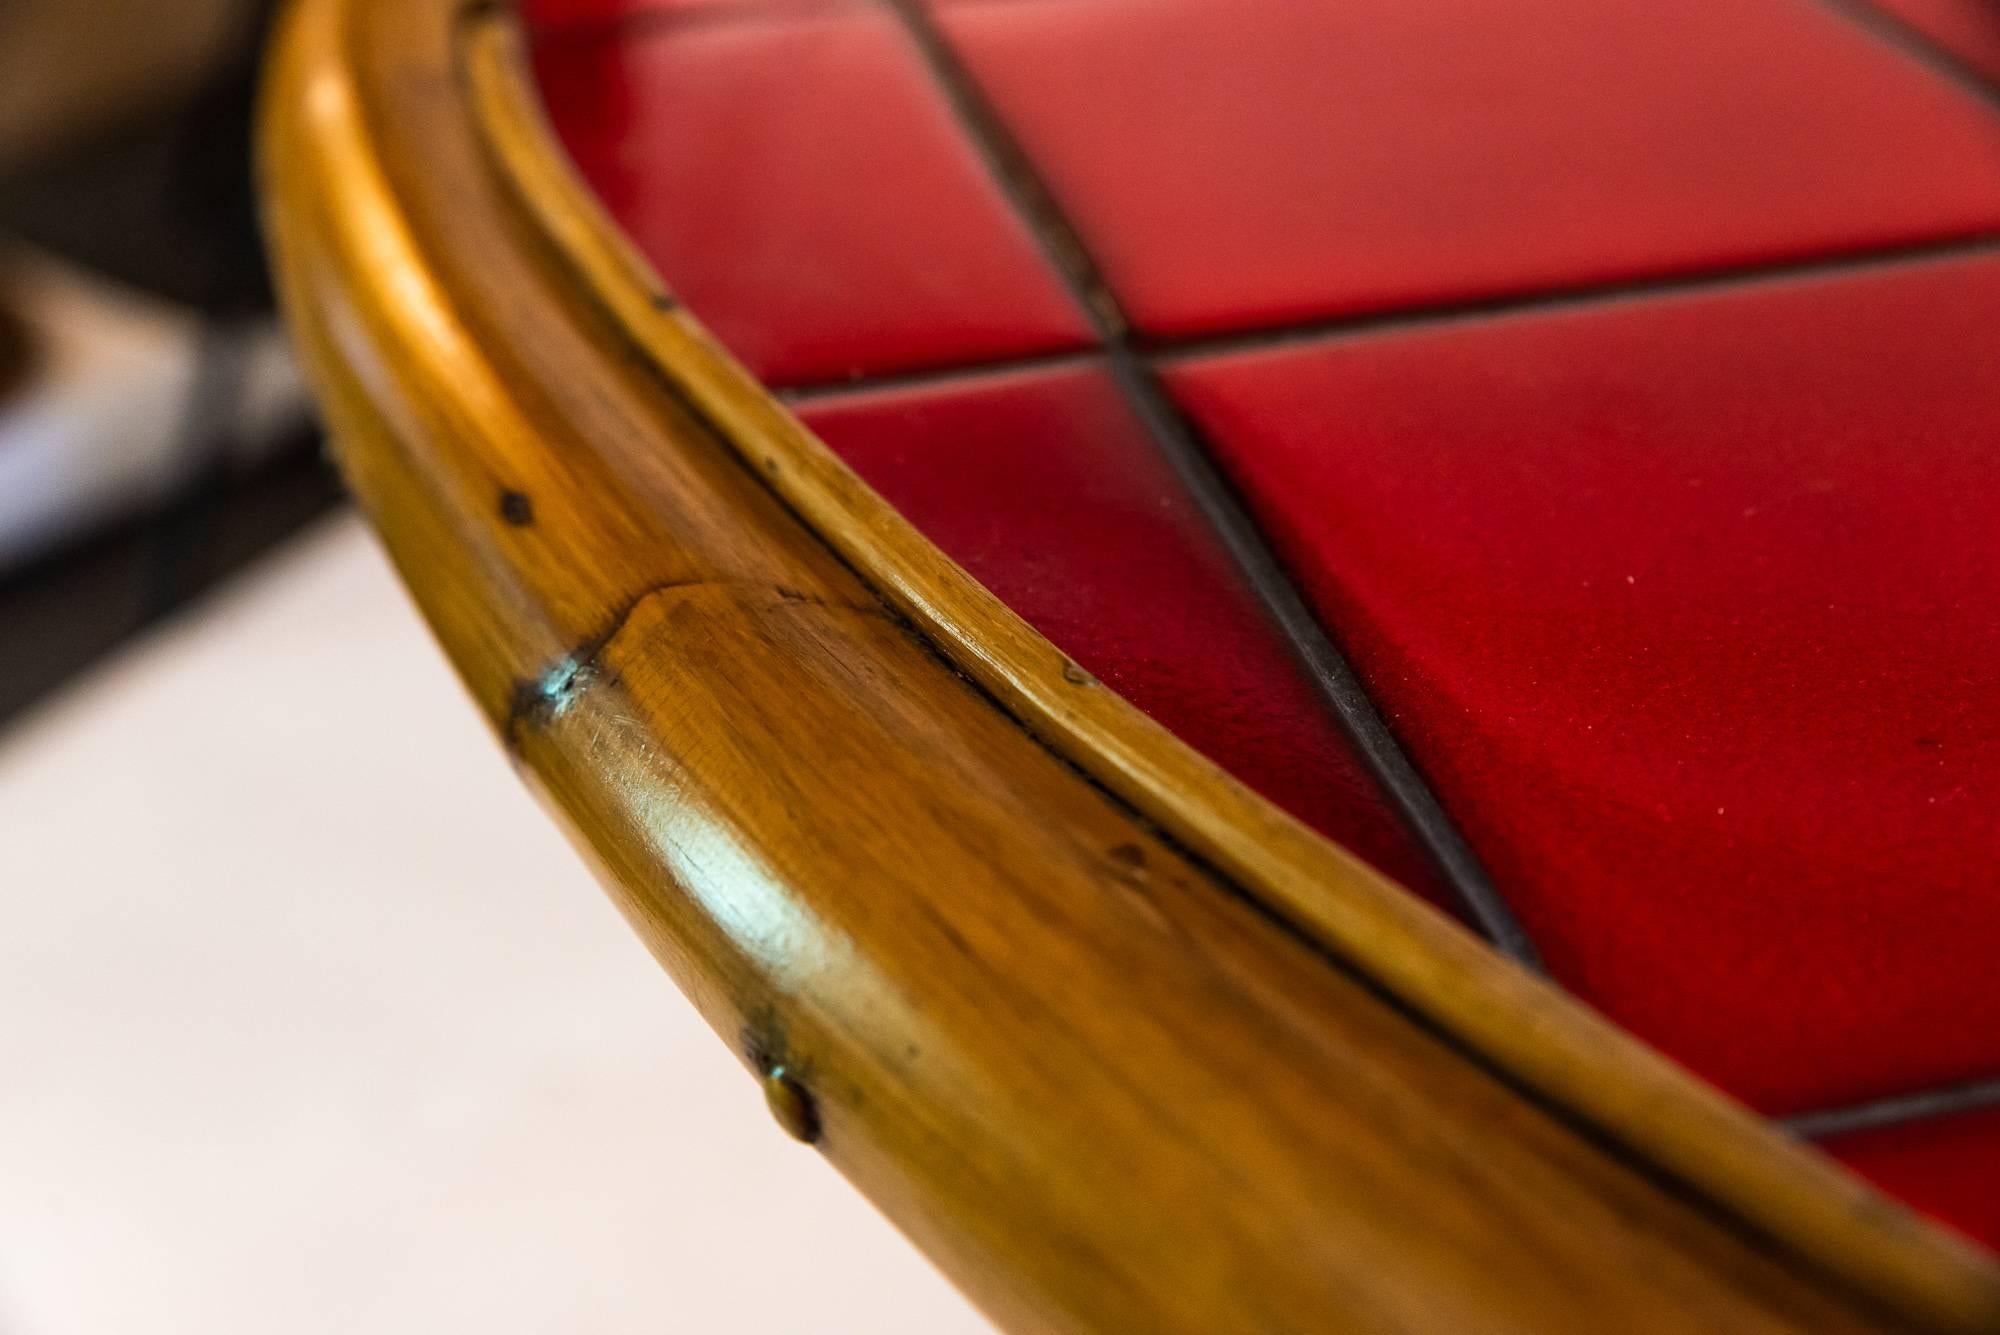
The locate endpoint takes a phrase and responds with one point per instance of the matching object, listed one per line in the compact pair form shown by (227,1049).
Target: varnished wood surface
(1533,1031)
(1191,1070)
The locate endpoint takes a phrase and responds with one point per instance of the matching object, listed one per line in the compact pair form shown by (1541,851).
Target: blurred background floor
(311,1021)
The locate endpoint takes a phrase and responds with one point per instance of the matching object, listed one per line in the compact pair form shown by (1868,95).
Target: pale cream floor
(310,1022)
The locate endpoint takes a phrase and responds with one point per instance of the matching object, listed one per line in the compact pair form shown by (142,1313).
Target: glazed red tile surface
(1255,162)
(799,183)
(1948,1167)
(1688,608)
(1043,487)
(1968,29)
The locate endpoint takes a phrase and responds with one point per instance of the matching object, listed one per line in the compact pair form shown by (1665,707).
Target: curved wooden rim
(415,393)
(1529,1028)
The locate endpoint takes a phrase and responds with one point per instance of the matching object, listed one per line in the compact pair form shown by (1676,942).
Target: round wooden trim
(1122,1045)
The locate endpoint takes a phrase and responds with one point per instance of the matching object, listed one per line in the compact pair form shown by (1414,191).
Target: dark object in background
(165,206)
(15,352)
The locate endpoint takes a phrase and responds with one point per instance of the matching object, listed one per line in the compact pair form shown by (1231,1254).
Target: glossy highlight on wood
(1121,1045)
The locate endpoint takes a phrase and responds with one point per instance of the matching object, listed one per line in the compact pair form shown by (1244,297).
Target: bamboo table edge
(373,310)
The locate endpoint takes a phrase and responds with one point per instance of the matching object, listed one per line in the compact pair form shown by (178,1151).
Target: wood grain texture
(1119,1044)
(1533,1031)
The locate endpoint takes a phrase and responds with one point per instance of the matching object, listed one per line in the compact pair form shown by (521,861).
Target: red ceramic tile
(1249,162)
(1947,1167)
(1690,608)
(799,182)
(1968,29)
(1043,487)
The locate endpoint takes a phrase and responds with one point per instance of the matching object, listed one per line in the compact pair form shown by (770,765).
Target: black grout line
(1213,494)
(1022,184)
(1918,45)
(1691,283)
(1895,1110)
(1335,677)
(1696,283)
